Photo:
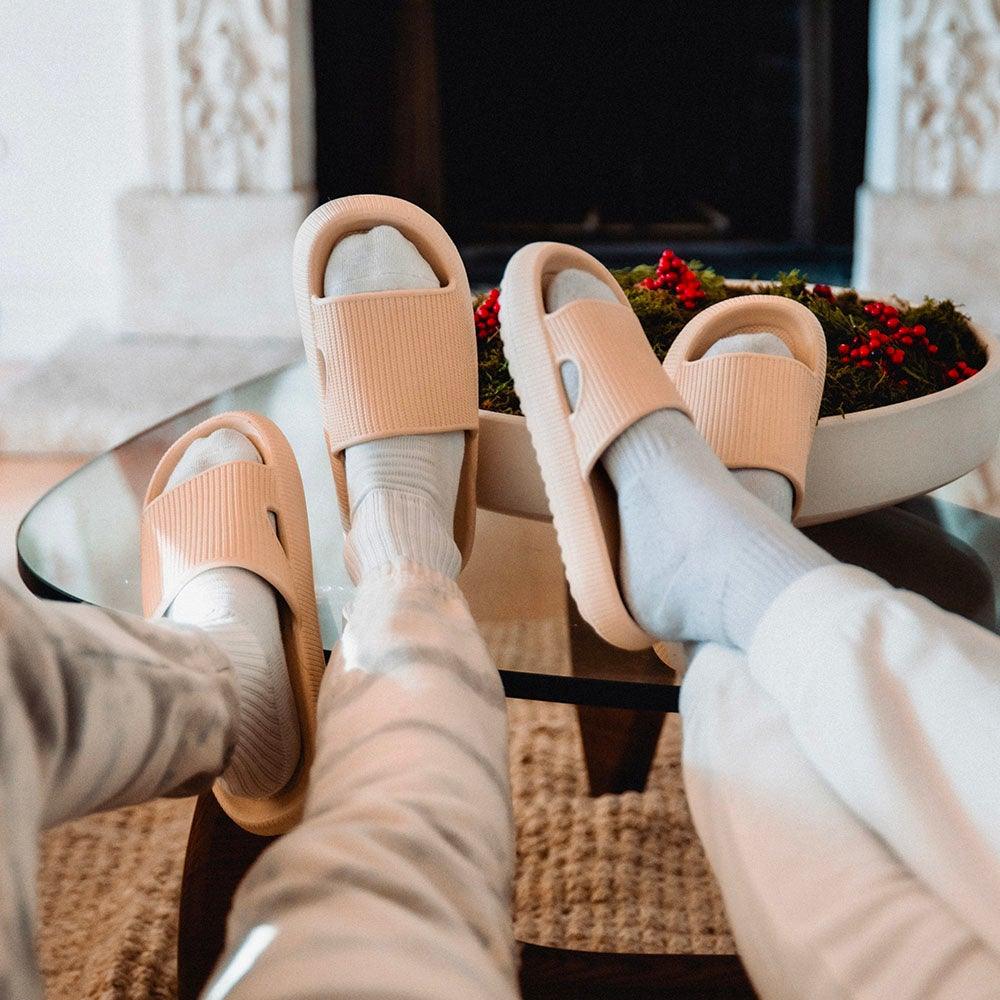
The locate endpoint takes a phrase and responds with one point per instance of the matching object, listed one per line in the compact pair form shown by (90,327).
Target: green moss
(848,388)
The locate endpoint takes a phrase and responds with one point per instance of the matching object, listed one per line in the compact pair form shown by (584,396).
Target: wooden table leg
(618,743)
(618,747)
(219,854)
(560,974)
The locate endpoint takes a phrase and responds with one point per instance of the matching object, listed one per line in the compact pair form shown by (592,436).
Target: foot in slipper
(770,487)
(384,307)
(225,547)
(402,489)
(700,557)
(239,612)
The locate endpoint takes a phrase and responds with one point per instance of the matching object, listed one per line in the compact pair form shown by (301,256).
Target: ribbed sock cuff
(390,527)
(764,565)
(405,573)
(649,442)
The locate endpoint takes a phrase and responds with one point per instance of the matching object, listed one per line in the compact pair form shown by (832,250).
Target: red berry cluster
(487,313)
(961,372)
(887,343)
(824,292)
(673,274)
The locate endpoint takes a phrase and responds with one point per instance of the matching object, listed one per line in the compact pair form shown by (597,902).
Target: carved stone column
(231,139)
(929,212)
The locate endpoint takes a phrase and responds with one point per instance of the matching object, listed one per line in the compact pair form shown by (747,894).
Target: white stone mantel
(207,249)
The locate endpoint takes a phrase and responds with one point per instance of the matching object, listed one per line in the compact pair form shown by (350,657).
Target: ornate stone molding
(950,107)
(236,96)
(929,212)
(934,121)
(229,97)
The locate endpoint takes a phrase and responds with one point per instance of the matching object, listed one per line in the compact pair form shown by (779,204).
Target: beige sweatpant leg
(397,884)
(97,710)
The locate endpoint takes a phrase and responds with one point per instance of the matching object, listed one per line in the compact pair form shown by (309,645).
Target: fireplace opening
(732,131)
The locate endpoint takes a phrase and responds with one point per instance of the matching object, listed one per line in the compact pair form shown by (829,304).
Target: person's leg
(819,905)
(703,551)
(103,709)
(896,704)
(99,710)
(892,701)
(398,881)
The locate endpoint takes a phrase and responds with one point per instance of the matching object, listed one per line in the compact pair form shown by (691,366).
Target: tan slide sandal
(390,363)
(220,518)
(755,410)
(620,382)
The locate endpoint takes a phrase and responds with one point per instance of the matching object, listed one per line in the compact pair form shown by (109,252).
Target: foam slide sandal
(620,382)
(755,410)
(395,362)
(220,518)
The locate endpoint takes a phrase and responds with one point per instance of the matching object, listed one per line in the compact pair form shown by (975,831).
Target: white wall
(72,137)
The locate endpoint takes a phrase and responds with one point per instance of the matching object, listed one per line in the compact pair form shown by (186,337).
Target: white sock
(701,557)
(239,611)
(403,489)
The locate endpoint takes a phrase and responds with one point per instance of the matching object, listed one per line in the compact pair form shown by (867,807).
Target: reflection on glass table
(81,542)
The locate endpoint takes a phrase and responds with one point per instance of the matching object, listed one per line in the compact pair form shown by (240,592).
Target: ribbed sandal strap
(424,340)
(218,518)
(756,411)
(393,363)
(620,380)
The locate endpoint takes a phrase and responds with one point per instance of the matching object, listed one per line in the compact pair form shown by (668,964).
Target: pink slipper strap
(392,363)
(756,411)
(218,518)
(620,379)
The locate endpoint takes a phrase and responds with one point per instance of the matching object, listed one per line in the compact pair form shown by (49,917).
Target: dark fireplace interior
(733,132)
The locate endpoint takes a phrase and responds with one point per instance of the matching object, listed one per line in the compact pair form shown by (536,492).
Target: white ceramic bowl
(858,462)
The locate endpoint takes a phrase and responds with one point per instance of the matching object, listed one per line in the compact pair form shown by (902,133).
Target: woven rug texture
(617,873)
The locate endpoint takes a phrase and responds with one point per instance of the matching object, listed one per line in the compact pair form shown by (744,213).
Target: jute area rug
(617,873)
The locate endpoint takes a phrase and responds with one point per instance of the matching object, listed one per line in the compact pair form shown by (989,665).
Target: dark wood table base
(560,974)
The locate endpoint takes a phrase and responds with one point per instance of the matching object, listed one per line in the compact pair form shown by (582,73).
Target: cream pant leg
(841,778)
(396,884)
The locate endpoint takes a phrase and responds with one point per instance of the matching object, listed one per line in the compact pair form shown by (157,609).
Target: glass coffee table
(80,542)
